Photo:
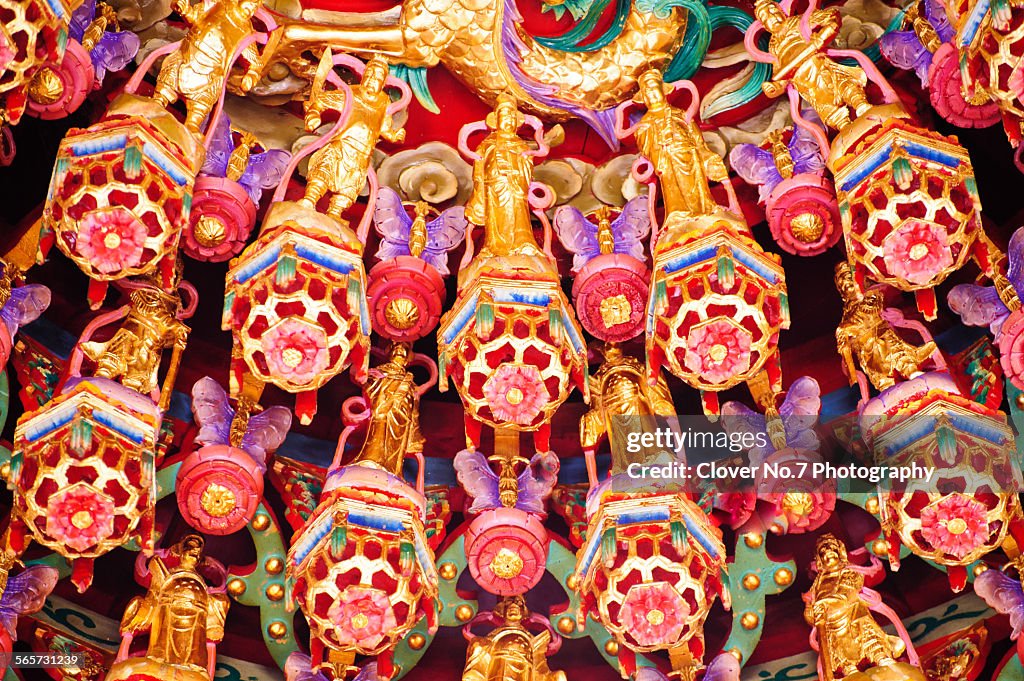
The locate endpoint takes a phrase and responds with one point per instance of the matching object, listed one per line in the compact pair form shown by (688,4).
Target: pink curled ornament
(221,220)
(945,91)
(610,294)
(219,488)
(1011,348)
(406,297)
(803,214)
(74,76)
(506,550)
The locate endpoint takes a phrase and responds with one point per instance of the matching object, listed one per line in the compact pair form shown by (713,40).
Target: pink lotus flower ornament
(516,393)
(80,516)
(654,614)
(717,350)
(363,617)
(112,239)
(296,350)
(955,524)
(917,252)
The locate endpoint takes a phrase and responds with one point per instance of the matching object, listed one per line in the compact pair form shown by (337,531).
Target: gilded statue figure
(135,351)
(394,403)
(340,167)
(864,337)
(510,652)
(619,390)
(184,620)
(672,142)
(502,171)
(848,635)
(198,70)
(829,87)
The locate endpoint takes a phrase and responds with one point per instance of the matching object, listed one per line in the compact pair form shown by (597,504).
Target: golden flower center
(291,357)
(82,520)
(615,310)
(112,240)
(655,617)
(956,526)
(807,227)
(514,396)
(401,313)
(210,232)
(359,621)
(718,352)
(798,503)
(217,500)
(46,86)
(507,564)
(918,251)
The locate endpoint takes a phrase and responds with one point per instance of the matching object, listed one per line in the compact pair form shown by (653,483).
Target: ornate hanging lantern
(32,32)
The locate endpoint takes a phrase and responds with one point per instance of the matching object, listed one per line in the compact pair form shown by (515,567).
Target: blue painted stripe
(653,514)
(56,421)
(974,21)
(376,523)
(521,297)
(98,146)
(461,319)
(257,265)
(119,425)
(924,427)
(162,161)
(931,154)
(688,259)
(868,166)
(697,531)
(324,259)
(759,267)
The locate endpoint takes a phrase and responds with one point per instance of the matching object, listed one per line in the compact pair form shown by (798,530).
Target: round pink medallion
(221,220)
(72,78)
(610,294)
(507,550)
(945,84)
(803,215)
(219,488)
(406,297)
(1011,348)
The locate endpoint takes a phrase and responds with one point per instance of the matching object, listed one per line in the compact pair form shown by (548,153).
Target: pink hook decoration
(805,19)
(874,75)
(750,44)
(643,172)
(421,360)
(136,80)
(538,135)
(363,230)
(541,197)
(691,109)
(74,369)
(798,118)
(464,135)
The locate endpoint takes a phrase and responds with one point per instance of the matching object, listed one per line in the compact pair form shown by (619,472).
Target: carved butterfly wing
(804,148)
(800,411)
(112,52)
(903,49)
(212,412)
(26,593)
(537,481)
(478,479)
(81,18)
(218,151)
(264,171)
(631,227)
(725,667)
(935,13)
(444,233)
(978,306)
(266,431)
(393,224)
(298,667)
(25,305)
(1003,594)
(577,234)
(756,166)
(1015,258)
(739,418)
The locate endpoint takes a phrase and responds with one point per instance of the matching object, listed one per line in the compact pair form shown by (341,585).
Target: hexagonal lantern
(966,509)
(908,201)
(514,350)
(650,571)
(83,473)
(296,303)
(121,193)
(717,305)
(34,32)
(361,569)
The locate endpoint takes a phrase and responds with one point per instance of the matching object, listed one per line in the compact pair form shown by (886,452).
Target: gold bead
(275,592)
(880,547)
(274,565)
(566,625)
(236,587)
(753,539)
(5,471)
(463,613)
(448,570)
(750,620)
(417,641)
(573,582)
(783,576)
(751,581)
(261,522)
(735,652)
(277,629)
(611,647)
(979,568)
(1020,400)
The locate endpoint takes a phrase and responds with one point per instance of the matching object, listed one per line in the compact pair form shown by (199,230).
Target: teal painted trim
(732,17)
(696,40)
(5,398)
(575,39)
(416,77)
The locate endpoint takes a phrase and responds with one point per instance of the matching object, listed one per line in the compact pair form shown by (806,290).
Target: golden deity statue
(510,652)
(675,146)
(198,70)
(865,336)
(619,390)
(848,635)
(829,87)
(340,167)
(134,353)
(184,620)
(394,403)
(499,202)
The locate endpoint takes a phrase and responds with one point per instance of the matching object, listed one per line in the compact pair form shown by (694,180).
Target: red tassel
(97,292)
(709,400)
(81,574)
(957,577)
(385,665)
(926,303)
(542,438)
(305,406)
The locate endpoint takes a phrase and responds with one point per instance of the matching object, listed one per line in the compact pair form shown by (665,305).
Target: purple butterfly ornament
(624,234)
(480,481)
(799,414)
(395,227)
